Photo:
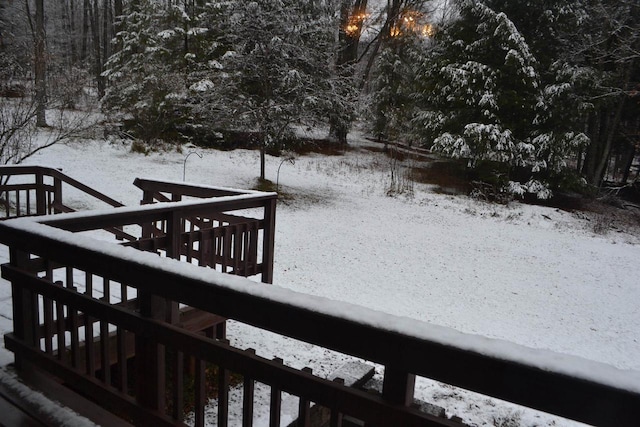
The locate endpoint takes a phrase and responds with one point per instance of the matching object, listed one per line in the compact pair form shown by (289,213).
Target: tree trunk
(612,131)
(106,30)
(263,149)
(393,14)
(351,21)
(40,66)
(86,9)
(95,33)
(72,31)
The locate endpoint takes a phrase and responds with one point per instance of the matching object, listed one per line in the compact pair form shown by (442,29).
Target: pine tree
(276,72)
(159,53)
(484,100)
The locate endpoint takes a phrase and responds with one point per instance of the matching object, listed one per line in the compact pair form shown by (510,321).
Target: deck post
(57,195)
(147,199)
(398,386)
(41,194)
(150,357)
(25,306)
(269,240)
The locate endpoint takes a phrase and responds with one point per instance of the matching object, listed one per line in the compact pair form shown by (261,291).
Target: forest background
(534,96)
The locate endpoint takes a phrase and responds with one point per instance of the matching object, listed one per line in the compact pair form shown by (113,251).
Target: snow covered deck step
(354,373)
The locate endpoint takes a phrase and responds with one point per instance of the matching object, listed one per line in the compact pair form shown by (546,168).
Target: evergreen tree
(483,99)
(276,72)
(159,53)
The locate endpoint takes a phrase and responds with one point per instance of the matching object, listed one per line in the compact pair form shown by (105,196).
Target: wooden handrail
(83,221)
(185,189)
(55,173)
(507,371)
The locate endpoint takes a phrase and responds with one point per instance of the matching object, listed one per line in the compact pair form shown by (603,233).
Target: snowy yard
(531,275)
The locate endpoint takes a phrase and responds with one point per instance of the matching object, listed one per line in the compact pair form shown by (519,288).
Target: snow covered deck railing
(39,191)
(70,289)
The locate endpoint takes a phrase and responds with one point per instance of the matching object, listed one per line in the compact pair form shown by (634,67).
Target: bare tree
(40,63)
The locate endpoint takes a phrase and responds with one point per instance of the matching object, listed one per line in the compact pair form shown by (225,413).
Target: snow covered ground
(532,275)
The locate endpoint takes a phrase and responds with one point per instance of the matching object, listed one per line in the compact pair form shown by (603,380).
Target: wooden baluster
(336,416)
(41,198)
(253,247)
(60,327)
(226,250)
(223,394)
(237,248)
(276,402)
(304,407)
(178,386)
(106,288)
(247,397)
(48,313)
(199,393)
(123,293)
(74,325)
(57,195)
(216,246)
(104,352)
(90,356)
(121,338)
(398,386)
(245,250)
(18,203)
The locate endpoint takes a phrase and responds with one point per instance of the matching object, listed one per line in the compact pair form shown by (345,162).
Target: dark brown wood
(268,240)
(42,381)
(122,358)
(186,189)
(200,397)
(304,407)
(150,356)
(108,399)
(223,396)
(248,396)
(178,386)
(360,404)
(105,353)
(398,385)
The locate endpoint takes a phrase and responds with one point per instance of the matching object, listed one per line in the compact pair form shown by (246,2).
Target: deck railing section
(72,317)
(39,191)
(225,241)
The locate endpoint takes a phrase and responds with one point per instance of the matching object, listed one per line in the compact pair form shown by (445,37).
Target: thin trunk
(106,30)
(72,31)
(393,15)
(40,65)
(97,60)
(263,149)
(351,22)
(117,8)
(86,9)
(612,131)
(630,155)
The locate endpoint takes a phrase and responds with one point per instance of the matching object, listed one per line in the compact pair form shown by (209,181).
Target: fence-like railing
(39,191)
(73,316)
(144,334)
